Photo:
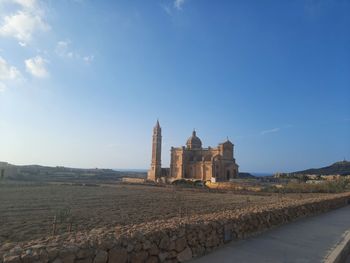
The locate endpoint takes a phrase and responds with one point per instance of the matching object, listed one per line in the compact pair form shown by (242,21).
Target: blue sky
(82,82)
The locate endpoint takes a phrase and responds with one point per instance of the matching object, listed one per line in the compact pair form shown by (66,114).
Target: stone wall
(175,240)
(133,180)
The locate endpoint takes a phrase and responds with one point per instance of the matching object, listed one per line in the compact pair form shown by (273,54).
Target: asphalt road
(305,240)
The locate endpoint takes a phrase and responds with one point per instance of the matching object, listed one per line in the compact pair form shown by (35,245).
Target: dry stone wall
(176,240)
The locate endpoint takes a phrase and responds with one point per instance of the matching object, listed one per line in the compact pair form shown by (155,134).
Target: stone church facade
(193,161)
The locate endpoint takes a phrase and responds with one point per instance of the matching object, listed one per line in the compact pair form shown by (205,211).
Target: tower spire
(156,169)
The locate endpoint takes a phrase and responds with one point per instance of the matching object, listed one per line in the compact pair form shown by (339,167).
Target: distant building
(7,170)
(192,161)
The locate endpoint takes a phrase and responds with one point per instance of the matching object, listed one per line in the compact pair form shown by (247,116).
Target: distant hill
(341,168)
(60,173)
(246,176)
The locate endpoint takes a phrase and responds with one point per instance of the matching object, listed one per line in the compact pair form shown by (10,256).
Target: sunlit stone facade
(193,161)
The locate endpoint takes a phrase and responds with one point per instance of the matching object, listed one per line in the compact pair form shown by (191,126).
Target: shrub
(335,186)
(188,183)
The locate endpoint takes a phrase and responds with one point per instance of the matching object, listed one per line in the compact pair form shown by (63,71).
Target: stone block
(12,259)
(147,245)
(57,260)
(84,253)
(138,257)
(185,255)
(101,257)
(164,242)
(152,259)
(85,260)
(68,258)
(117,255)
(227,233)
(52,252)
(154,250)
(180,244)
(172,254)
(162,256)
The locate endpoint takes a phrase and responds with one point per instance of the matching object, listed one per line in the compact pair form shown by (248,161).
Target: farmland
(27,209)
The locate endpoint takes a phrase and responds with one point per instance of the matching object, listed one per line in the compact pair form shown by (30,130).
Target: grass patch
(336,186)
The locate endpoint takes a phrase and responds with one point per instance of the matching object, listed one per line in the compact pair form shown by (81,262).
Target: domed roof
(194,142)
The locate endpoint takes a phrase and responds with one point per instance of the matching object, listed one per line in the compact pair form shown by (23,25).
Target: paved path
(305,240)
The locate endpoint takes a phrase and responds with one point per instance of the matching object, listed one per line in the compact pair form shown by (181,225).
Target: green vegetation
(189,183)
(335,186)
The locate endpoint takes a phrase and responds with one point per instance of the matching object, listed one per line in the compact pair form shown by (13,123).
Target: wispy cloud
(167,9)
(30,4)
(37,67)
(25,22)
(270,131)
(264,132)
(178,4)
(172,7)
(7,73)
(89,59)
(63,49)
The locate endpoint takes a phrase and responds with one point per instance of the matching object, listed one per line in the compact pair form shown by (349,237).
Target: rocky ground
(27,210)
(176,239)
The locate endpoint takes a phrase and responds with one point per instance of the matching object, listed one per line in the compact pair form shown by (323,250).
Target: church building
(193,161)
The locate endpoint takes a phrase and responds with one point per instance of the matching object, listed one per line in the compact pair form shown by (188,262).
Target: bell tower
(156,168)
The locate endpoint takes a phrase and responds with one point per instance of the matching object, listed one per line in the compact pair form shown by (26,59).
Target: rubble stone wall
(175,240)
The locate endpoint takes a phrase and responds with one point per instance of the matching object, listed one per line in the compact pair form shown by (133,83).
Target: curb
(340,251)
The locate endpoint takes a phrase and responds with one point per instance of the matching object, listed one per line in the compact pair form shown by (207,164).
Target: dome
(194,142)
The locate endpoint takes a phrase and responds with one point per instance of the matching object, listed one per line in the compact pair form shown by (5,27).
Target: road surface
(305,240)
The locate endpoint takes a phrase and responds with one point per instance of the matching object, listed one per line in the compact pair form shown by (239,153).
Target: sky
(82,82)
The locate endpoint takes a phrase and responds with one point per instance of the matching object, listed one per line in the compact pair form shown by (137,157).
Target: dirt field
(27,210)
